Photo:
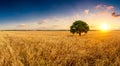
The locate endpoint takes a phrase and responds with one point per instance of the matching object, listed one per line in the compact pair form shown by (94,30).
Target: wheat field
(59,48)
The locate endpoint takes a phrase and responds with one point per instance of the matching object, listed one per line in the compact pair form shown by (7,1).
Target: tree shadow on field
(76,35)
(70,35)
(73,36)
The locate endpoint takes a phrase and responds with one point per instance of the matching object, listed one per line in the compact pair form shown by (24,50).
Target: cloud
(50,27)
(54,20)
(106,7)
(50,20)
(43,21)
(115,15)
(86,11)
(57,22)
(110,7)
(98,6)
(55,26)
(22,25)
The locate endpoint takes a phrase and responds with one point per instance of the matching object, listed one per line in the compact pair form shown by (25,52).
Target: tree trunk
(80,34)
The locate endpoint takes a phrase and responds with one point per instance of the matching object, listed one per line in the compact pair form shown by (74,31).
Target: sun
(104,27)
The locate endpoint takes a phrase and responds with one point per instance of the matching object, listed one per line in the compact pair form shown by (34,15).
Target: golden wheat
(59,48)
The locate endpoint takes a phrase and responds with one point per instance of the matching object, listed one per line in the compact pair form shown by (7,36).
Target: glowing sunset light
(104,27)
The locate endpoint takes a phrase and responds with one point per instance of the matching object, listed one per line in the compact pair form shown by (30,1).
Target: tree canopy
(79,27)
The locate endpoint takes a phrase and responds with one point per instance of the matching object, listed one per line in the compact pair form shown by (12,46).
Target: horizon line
(52,30)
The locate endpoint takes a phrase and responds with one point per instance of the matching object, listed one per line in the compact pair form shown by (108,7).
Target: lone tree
(79,27)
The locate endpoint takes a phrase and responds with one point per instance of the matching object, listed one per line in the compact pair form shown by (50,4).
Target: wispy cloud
(110,7)
(53,27)
(43,21)
(107,7)
(86,11)
(22,25)
(99,6)
(63,22)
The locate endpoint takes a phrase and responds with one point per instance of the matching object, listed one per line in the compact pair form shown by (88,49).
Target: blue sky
(57,14)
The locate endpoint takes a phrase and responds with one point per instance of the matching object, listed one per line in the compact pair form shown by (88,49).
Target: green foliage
(79,27)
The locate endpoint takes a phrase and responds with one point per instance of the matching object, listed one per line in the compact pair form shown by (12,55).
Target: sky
(58,14)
